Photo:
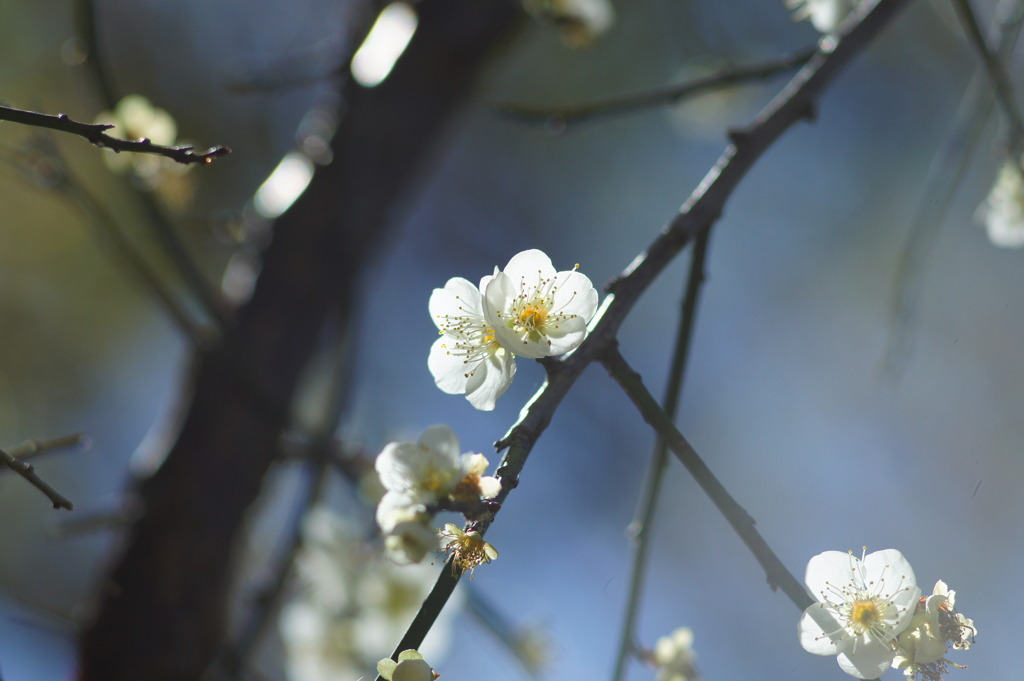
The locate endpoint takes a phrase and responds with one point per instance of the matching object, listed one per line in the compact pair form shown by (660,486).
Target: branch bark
(162,612)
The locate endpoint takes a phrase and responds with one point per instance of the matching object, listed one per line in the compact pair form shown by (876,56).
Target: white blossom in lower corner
(467,359)
(535,311)
(1002,213)
(350,605)
(935,627)
(674,657)
(863,605)
(824,15)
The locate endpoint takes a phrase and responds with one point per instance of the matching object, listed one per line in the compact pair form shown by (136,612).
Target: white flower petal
(829,567)
(489,487)
(389,467)
(868,661)
(449,371)
(530,264)
(820,633)
(442,440)
(397,508)
(458,297)
(467,359)
(1003,210)
(491,379)
(412,670)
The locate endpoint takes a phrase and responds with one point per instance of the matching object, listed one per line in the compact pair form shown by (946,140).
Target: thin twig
(514,639)
(794,103)
(559,117)
(62,180)
(26,471)
(944,175)
(213,304)
(95,133)
(33,448)
(640,527)
(996,73)
(737,517)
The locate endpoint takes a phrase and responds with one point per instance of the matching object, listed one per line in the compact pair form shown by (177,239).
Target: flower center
(865,614)
(533,315)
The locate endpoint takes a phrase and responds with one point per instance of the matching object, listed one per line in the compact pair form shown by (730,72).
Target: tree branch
(95,133)
(997,74)
(794,103)
(737,517)
(640,528)
(945,172)
(559,117)
(26,471)
(29,449)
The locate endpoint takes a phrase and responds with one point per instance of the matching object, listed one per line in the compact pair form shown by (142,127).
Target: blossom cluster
(870,614)
(422,478)
(349,606)
(527,309)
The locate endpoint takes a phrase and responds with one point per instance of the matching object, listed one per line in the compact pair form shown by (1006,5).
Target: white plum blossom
(535,311)
(419,477)
(863,605)
(674,656)
(427,471)
(528,309)
(825,15)
(467,358)
(1003,211)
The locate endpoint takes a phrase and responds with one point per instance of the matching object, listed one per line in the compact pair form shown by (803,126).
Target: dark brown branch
(559,117)
(26,471)
(96,133)
(698,213)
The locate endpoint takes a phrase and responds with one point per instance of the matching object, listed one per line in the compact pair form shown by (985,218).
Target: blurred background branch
(175,568)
